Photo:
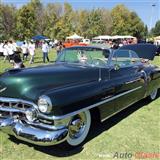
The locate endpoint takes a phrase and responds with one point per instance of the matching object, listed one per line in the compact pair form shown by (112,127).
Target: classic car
(57,103)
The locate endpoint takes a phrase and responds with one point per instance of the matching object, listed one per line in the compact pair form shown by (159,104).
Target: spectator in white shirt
(45,50)
(1,48)
(10,50)
(5,51)
(31,49)
(14,47)
(24,48)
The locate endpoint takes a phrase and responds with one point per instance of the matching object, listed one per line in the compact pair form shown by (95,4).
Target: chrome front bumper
(31,134)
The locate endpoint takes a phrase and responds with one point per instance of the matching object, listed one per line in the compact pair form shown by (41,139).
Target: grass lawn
(134,130)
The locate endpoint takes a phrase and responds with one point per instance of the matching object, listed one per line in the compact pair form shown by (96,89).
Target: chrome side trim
(47,117)
(130,82)
(89,107)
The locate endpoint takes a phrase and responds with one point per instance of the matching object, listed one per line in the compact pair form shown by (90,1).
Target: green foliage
(137,28)
(64,27)
(81,23)
(90,24)
(107,21)
(57,21)
(96,26)
(156,30)
(7,21)
(121,20)
(146,31)
(26,22)
(126,22)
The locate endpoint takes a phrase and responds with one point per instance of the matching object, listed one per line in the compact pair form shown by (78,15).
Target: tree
(127,23)
(26,22)
(38,9)
(121,20)
(146,31)
(81,23)
(51,18)
(107,21)
(64,26)
(90,23)
(137,28)
(7,21)
(96,24)
(156,30)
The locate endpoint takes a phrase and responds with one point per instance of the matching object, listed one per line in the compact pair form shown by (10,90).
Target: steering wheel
(98,62)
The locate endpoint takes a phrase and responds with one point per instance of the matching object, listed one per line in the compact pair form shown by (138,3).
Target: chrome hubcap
(77,126)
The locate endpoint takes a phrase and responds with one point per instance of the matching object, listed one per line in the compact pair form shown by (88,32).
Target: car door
(128,79)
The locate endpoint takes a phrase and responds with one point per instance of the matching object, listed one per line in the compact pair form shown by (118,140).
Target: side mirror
(116,67)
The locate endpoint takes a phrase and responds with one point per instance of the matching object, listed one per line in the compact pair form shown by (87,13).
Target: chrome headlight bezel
(44,104)
(31,114)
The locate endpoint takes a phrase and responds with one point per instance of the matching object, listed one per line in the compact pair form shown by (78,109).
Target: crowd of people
(18,54)
(115,44)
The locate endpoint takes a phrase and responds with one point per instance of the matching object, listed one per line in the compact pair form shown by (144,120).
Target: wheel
(78,128)
(153,94)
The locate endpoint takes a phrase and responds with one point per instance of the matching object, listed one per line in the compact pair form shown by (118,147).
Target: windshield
(89,56)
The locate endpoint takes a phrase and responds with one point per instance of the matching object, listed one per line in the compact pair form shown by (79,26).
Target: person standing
(45,50)
(14,47)
(5,51)
(31,49)
(10,50)
(24,48)
(59,47)
(1,48)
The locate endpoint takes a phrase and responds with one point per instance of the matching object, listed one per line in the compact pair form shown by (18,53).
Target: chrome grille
(13,109)
(16,105)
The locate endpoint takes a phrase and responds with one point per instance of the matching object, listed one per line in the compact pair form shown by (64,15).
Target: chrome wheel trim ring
(79,128)
(153,94)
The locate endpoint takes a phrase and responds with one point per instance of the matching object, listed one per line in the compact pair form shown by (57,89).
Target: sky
(148,13)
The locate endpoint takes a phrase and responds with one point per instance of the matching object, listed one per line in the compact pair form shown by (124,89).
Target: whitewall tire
(153,94)
(78,128)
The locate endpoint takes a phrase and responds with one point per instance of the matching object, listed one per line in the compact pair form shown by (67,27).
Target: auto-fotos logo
(129,155)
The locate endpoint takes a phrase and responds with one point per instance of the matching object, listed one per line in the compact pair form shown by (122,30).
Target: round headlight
(44,104)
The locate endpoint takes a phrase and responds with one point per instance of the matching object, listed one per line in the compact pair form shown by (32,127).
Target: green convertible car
(57,103)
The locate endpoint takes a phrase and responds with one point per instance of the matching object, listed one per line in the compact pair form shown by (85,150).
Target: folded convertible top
(146,51)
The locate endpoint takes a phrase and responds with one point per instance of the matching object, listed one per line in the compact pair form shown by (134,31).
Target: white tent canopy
(122,37)
(107,37)
(75,36)
(157,38)
(103,37)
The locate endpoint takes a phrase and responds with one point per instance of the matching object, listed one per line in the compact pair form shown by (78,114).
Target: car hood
(146,51)
(30,83)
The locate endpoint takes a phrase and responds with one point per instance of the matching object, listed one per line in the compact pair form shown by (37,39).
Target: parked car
(48,105)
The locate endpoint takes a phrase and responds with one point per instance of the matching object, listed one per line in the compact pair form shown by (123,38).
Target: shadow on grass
(98,128)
